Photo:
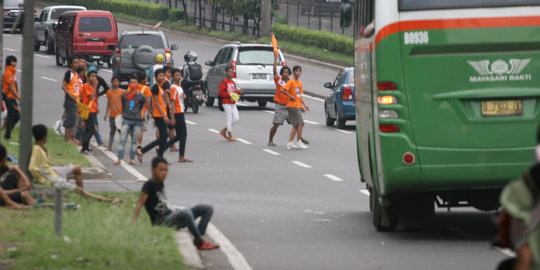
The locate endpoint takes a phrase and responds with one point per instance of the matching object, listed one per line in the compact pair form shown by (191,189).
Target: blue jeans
(181,218)
(96,134)
(134,128)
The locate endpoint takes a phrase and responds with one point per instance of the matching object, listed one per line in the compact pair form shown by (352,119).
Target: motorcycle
(194,97)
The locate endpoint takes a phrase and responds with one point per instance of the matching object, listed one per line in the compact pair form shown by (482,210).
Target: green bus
(447,102)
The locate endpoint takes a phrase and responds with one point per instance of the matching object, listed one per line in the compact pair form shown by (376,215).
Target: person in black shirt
(155,202)
(13,182)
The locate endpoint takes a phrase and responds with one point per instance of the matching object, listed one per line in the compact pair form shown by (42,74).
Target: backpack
(195,72)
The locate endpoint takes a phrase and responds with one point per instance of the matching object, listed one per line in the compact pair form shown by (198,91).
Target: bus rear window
(408,5)
(95,24)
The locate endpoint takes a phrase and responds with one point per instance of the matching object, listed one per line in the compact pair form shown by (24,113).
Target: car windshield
(405,5)
(134,41)
(57,12)
(12,3)
(256,56)
(95,24)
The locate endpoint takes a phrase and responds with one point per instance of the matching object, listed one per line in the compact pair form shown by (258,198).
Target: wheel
(58,59)
(329,120)
(262,103)
(385,218)
(340,121)
(36,46)
(195,107)
(209,102)
(49,44)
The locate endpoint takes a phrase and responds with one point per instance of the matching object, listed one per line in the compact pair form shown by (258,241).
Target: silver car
(44,25)
(137,51)
(253,64)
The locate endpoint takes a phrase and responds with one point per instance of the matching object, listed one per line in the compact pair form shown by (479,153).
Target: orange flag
(274,44)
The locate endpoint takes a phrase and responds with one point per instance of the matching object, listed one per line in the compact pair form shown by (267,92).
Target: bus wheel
(385,218)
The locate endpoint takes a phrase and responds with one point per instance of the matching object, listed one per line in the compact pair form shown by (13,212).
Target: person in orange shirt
(280,99)
(296,106)
(146,111)
(70,86)
(11,93)
(114,108)
(89,98)
(179,121)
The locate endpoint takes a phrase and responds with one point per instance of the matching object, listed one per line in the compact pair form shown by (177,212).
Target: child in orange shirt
(296,106)
(114,108)
(89,98)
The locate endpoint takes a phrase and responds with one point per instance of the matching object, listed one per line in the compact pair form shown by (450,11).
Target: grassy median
(96,236)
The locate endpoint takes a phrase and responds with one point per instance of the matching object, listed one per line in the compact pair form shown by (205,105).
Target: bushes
(322,39)
(140,9)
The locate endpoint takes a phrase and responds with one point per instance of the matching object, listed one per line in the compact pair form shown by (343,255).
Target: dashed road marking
(312,122)
(343,131)
(365,191)
(301,164)
(48,79)
(322,220)
(271,152)
(241,104)
(333,177)
(506,251)
(10,49)
(268,111)
(213,130)
(191,123)
(42,56)
(314,98)
(244,141)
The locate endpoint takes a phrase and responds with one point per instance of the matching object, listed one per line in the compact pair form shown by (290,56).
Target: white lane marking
(48,79)
(191,123)
(241,104)
(42,56)
(319,212)
(314,98)
(10,49)
(322,220)
(107,70)
(365,191)
(343,131)
(236,259)
(138,176)
(333,177)
(506,251)
(244,141)
(271,152)
(312,122)
(213,130)
(19,70)
(301,164)
(267,111)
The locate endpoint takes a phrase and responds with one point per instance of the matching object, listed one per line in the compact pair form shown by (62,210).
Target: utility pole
(266,18)
(27,87)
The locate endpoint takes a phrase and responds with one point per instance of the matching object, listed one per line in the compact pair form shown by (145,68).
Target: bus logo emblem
(500,70)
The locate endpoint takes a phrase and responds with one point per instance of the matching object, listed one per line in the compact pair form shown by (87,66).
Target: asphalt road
(280,208)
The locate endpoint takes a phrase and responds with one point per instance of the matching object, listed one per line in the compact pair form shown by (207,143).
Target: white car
(44,25)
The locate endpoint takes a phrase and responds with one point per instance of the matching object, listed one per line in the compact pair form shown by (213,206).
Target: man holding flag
(280,98)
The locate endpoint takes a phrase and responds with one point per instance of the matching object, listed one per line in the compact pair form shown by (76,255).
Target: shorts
(295,116)
(61,180)
(70,113)
(280,114)
(15,196)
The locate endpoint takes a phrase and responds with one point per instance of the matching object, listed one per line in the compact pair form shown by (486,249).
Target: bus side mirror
(346,15)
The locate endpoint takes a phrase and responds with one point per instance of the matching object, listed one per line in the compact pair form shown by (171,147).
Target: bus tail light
(233,65)
(383,86)
(388,128)
(408,158)
(388,114)
(347,93)
(386,100)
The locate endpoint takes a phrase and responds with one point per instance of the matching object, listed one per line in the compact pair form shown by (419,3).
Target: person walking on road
(146,113)
(280,98)
(160,103)
(70,86)
(230,94)
(153,199)
(11,92)
(133,102)
(179,121)
(150,72)
(114,108)
(296,107)
(89,98)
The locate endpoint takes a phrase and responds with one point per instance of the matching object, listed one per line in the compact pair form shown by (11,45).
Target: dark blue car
(339,104)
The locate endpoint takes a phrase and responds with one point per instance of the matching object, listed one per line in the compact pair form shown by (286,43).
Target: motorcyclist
(192,73)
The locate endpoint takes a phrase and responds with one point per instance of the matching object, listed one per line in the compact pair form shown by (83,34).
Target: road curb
(188,250)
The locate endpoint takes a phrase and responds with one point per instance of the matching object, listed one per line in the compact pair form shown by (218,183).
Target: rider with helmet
(150,71)
(192,72)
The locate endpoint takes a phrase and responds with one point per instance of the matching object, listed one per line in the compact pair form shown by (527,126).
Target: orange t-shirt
(145,90)
(115,101)
(72,83)
(175,98)
(9,77)
(86,93)
(158,91)
(295,89)
(280,97)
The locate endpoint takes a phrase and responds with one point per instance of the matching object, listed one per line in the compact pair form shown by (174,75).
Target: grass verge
(61,153)
(96,236)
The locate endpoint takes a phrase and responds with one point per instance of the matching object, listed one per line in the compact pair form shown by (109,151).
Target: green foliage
(176,14)
(322,39)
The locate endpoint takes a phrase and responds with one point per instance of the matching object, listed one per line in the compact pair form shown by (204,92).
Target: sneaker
(207,246)
(271,144)
(301,145)
(291,145)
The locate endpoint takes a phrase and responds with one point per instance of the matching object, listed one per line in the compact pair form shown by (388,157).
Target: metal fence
(311,14)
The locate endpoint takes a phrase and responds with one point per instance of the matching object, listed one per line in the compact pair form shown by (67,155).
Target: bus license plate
(257,76)
(501,107)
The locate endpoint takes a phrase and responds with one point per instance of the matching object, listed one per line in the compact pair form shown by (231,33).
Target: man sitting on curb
(40,168)
(14,183)
(154,200)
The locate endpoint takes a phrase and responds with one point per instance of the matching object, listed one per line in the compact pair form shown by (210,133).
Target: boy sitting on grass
(14,184)
(154,200)
(40,168)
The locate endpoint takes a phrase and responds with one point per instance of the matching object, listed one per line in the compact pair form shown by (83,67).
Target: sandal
(185,160)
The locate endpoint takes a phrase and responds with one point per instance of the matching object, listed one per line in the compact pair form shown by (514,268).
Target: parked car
(339,105)
(137,51)
(47,20)
(12,10)
(319,6)
(252,64)
(92,34)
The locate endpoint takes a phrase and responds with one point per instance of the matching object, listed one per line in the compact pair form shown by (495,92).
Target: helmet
(190,56)
(159,58)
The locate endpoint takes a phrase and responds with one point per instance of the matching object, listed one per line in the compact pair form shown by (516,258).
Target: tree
(266,18)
